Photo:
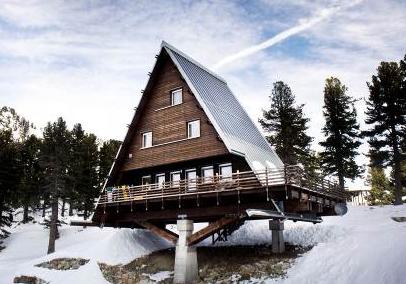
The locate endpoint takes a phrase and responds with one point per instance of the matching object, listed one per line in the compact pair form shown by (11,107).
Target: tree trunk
(63,207)
(341,181)
(85,212)
(25,214)
(70,208)
(53,231)
(44,207)
(397,168)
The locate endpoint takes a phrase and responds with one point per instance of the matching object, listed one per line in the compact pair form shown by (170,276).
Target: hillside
(364,246)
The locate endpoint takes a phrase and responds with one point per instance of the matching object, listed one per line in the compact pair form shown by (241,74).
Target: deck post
(278,243)
(185,255)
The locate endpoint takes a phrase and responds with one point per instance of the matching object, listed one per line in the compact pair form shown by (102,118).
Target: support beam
(185,256)
(278,243)
(212,228)
(162,232)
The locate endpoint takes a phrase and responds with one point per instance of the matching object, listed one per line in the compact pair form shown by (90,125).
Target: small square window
(193,129)
(146,139)
(176,97)
(130,156)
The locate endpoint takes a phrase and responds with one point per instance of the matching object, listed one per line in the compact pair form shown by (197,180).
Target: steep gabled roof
(232,123)
(235,128)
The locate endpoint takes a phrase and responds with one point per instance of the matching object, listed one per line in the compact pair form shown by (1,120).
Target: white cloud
(88,60)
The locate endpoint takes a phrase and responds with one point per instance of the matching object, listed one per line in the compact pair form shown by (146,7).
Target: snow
(27,246)
(364,246)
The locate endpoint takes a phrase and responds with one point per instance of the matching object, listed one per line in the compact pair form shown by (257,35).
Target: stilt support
(185,255)
(278,243)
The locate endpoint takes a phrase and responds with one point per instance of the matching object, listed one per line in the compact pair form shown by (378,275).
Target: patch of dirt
(230,264)
(23,279)
(63,263)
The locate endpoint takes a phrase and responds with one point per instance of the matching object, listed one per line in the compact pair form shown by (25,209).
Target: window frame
(162,184)
(191,122)
(205,178)
(178,181)
(225,165)
(191,185)
(175,91)
(143,134)
(146,185)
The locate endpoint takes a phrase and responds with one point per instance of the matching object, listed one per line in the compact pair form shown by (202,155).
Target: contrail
(304,24)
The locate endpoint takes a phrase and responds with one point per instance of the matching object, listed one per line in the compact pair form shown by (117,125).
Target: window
(226,172)
(175,178)
(160,180)
(193,129)
(176,97)
(191,179)
(146,139)
(130,156)
(146,181)
(207,174)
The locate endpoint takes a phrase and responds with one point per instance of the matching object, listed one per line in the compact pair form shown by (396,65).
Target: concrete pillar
(185,256)
(278,243)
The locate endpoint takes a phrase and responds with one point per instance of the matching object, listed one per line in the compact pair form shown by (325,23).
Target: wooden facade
(168,125)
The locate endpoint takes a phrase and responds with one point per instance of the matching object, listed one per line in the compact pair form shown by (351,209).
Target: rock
(29,280)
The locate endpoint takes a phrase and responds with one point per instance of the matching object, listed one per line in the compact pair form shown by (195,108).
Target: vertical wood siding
(169,124)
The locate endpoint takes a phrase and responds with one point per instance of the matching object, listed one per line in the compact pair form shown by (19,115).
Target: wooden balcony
(240,182)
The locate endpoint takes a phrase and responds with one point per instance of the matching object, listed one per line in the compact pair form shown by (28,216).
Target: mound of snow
(369,247)
(27,246)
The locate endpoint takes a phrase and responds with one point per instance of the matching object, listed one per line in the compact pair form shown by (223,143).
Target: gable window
(226,172)
(207,174)
(176,97)
(146,139)
(193,129)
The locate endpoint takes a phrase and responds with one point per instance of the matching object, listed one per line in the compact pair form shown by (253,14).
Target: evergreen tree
(29,189)
(386,115)
(108,152)
(381,190)
(9,178)
(90,181)
(341,131)
(75,167)
(54,160)
(286,125)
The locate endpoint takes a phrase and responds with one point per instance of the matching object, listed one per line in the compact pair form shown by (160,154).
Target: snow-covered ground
(364,246)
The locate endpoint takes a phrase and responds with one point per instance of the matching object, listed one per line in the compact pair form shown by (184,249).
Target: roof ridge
(187,57)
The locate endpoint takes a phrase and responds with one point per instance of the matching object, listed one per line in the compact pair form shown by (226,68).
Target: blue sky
(88,60)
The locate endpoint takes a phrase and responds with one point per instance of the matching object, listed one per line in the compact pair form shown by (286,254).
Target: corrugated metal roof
(231,121)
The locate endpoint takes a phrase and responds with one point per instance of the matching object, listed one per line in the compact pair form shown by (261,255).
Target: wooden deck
(208,199)
(239,182)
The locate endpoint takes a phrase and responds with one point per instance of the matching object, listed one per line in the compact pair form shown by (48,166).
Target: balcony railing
(238,181)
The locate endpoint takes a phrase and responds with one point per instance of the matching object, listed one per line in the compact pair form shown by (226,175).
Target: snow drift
(364,246)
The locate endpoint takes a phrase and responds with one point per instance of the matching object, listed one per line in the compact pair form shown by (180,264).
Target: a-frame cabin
(192,152)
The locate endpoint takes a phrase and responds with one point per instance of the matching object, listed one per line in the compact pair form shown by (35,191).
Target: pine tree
(108,152)
(54,160)
(386,115)
(287,126)
(29,189)
(90,189)
(381,192)
(9,178)
(341,131)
